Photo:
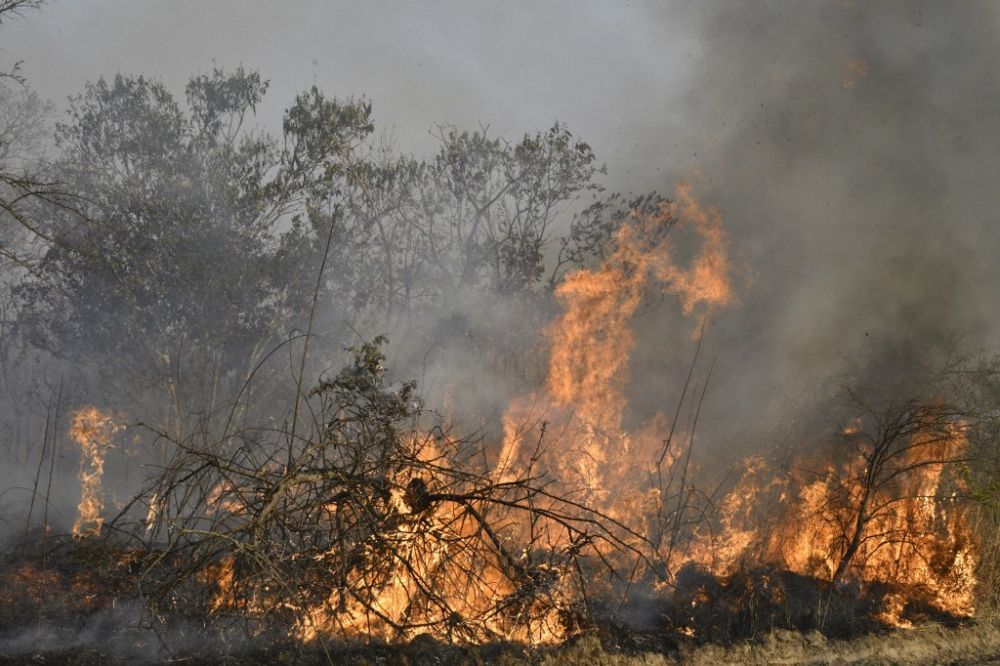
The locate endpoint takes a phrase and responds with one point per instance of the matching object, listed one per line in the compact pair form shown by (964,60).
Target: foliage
(171,274)
(193,242)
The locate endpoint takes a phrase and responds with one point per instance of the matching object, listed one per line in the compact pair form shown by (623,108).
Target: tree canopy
(194,238)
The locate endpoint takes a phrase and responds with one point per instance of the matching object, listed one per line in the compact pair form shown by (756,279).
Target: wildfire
(591,341)
(908,531)
(826,519)
(371,582)
(411,558)
(92,429)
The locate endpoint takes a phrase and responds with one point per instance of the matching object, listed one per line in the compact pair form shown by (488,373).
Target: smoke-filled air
(524,333)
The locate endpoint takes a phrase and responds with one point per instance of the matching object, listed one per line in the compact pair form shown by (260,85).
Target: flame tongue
(916,536)
(482,581)
(592,340)
(92,429)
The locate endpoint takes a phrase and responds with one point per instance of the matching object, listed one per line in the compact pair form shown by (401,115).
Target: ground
(978,643)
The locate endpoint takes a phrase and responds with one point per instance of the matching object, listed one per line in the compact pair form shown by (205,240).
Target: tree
(22,179)
(10,9)
(24,186)
(195,247)
(906,440)
(433,251)
(475,218)
(171,279)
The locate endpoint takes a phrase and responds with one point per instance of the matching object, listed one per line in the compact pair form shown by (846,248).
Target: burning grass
(371,527)
(76,580)
(373,520)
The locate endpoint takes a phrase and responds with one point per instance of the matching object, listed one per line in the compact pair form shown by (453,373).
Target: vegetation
(224,291)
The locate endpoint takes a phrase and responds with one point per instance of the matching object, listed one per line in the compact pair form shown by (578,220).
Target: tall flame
(92,429)
(591,342)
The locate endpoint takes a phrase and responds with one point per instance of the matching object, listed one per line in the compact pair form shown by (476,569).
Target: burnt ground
(930,644)
(80,606)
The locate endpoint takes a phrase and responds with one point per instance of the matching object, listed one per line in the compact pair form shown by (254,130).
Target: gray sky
(614,72)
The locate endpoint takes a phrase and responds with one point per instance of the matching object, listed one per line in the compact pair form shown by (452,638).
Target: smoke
(122,632)
(848,145)
(851,148)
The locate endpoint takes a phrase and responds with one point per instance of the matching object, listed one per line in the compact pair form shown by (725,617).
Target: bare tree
(11,9)
(902,442)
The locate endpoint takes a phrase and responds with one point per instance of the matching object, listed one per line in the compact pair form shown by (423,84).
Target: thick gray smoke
(852,148)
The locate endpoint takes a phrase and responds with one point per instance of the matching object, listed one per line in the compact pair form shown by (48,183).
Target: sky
(852,148)
(614,72)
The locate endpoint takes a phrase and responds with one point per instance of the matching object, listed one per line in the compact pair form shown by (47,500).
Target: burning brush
(380,522)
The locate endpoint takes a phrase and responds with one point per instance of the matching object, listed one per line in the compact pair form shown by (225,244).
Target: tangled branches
(368,526)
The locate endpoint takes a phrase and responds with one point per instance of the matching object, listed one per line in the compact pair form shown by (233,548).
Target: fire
(878,510)
(591,341)
(480,584)
(224,498)
(706,284)
(372,580)
(909,531)
(826,519)
(92,429)
(222,576)
(469,583)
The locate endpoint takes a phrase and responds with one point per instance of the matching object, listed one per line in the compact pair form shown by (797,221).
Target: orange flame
(591,341)
(92,429)
(918,536)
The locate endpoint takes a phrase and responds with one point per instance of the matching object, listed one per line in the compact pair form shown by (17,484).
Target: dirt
(931,644)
